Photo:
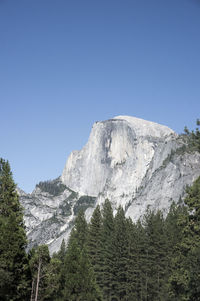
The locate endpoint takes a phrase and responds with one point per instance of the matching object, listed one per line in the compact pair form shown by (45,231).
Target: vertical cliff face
(118,155)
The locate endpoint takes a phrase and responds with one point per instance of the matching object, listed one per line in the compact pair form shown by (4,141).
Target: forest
(110,258)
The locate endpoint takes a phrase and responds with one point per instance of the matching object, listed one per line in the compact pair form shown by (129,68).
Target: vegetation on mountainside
(193,137)
(190,142)
(83,203)
(54,187)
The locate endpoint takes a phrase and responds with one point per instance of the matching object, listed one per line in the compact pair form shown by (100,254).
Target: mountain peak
(119,150)
(146,128)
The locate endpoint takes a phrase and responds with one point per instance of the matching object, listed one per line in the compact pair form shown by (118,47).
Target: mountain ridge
(134,163)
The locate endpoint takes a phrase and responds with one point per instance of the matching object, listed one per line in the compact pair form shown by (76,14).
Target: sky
(65,64)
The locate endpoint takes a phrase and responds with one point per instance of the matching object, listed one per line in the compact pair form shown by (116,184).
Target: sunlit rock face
(117,157)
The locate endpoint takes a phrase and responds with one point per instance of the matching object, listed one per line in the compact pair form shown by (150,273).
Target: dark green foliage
(120,250)
(52,280)
(61,253)
(80,230)
(137,262)
(83,203)
(156,257)
(107,258)
(193,137)
(14,269)
(78,279)
(94,243)
(54,187)
(80,282)
(65,208)
(185,278)
(39,260)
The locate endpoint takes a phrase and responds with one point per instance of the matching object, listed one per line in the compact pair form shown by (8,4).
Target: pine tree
(51,291)
(141,276)
(80,230)
(57,264)
(135,264)
(121,255)
(39,261)
(79,279)
(14,269)
(107,259)
(61,253)
(173,237)
(94,243)
(185,278)
(156,257)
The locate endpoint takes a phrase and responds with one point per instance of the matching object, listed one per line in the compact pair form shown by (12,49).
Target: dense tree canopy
(14,269)
(185,278)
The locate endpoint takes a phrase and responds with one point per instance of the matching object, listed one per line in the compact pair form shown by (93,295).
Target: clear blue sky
(65,64)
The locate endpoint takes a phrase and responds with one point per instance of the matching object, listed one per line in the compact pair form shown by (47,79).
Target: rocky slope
(133,162)
(50,211)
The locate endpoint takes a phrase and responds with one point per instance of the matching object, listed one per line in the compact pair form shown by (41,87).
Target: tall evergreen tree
(94,243)
(174,235)
(121,255)
(61,253)
(185,278)
(39,261)
(80,230)
(135,265)
(79,279)
(52,280)
(80,283)
(107,259)
(156,257)
(14,269)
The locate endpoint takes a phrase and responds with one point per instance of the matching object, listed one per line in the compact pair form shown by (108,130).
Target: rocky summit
(134,163)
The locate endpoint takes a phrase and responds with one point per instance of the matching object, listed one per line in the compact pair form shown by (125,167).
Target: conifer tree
(173,237)
(79,279)
(59,265)
(94,243)
(135,264)
(185,278)
(61,253)
(14,269)
(39,261)
(107,259)
(156,257)
(80,283)
(79,234)
(80,230)
(121,255)
(52,280)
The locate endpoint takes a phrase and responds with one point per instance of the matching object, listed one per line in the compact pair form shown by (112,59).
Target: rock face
(116,156)
(132,162)
(50,211)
